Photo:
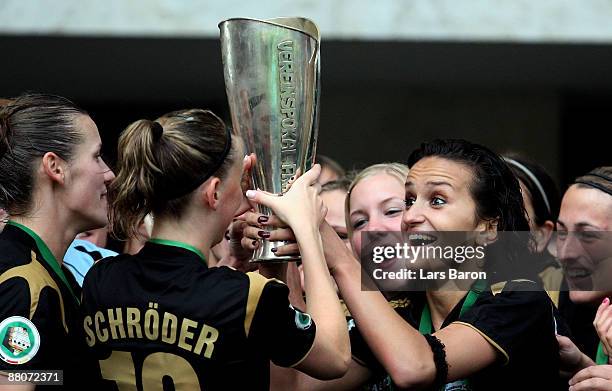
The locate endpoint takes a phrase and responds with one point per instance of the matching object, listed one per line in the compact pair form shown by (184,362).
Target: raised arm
(401,349)
(302,209)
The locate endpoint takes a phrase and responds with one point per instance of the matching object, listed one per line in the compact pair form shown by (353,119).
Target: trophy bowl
(272,80)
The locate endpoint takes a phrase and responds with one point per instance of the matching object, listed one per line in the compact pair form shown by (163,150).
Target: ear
(543,234)
(486,232)
(54,167)
(210,193)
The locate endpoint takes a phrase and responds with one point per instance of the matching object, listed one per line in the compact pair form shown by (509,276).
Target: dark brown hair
(30,126)
(599,178)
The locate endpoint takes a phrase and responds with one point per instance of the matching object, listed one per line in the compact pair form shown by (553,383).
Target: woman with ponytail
(162,316)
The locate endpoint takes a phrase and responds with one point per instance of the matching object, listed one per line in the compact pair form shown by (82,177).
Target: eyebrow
(380,203)
(431,184)
(582,224)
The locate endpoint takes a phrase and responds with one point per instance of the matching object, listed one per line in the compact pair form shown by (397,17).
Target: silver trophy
(271,70)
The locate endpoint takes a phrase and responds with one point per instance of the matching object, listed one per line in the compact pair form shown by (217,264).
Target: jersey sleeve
(514,320)
(27,325)
(284,332)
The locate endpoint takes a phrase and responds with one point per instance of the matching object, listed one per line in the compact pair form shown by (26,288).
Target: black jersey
(40,324)
(518,321)
(163,317)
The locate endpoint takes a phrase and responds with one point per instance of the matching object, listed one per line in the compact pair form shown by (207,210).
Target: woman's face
(441,213)
(87,176)
(584,245)
(438,197)
(376,204)
(334,201)
(232,187)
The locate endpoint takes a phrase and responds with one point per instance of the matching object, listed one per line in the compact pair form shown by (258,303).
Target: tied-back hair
(497,195)
(599,178)
(541,187)
(30,126)
(396,170)
(160,163)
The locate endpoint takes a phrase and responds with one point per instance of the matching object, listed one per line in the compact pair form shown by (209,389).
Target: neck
(56,239)
(441,303)
(189,231)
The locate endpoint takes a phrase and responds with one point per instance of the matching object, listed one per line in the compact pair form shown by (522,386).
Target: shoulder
(270,288)
(113,263)
(13,254)
(29,291)
(22,270)
(512,299)
(512,315)
(102,271)
(519,291)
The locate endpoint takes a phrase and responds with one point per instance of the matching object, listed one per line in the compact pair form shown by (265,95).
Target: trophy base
(264,254)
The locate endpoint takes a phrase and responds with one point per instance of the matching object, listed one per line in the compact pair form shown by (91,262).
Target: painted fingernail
(291,178)
(263,234)
(606,300)
(262,219)
(251,193)
(274,249)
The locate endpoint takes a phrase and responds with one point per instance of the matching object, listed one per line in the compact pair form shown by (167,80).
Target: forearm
(334,249)
(585,361)
(401,349)
(322,300)
(569,371)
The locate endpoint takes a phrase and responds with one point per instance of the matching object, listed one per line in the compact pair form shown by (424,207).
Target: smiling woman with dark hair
(584,249)
(498,335)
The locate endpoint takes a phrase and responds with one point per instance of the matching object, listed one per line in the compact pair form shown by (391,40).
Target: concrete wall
(457,20)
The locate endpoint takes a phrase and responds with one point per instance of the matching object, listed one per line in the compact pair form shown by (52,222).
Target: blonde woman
(374,201)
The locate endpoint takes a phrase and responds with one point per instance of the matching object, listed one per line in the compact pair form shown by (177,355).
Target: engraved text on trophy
(288,112)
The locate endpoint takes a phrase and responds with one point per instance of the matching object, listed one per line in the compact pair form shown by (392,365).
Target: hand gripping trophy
(271,70)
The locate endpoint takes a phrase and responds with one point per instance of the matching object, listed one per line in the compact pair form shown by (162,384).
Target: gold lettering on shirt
(152,324)
(133,325)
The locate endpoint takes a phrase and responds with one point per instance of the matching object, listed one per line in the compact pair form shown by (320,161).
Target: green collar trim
(47,256)
(181,245)
(426,326)
(601,358)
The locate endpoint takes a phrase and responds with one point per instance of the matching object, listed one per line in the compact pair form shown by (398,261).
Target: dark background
(379,100)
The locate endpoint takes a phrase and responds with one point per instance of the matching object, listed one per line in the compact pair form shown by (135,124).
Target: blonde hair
(160,163)
(396,170)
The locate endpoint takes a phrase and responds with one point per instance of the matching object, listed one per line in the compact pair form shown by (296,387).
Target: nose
(412,217)
(568,249)
(109,175)
(377,223)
